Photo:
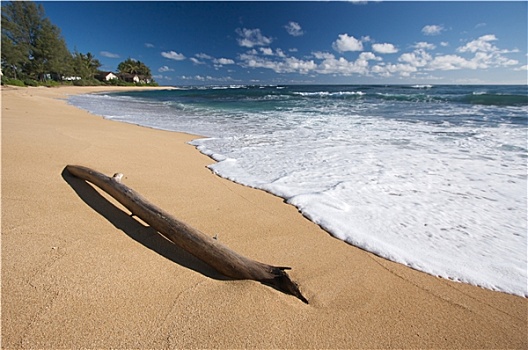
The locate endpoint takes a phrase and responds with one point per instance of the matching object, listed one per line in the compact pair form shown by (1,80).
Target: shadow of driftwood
(145,235)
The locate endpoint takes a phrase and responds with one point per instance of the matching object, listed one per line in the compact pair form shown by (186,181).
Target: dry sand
(78,272)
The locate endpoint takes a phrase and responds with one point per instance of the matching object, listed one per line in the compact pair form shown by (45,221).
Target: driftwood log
(203,247)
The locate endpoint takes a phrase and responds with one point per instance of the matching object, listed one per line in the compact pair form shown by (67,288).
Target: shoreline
(472,275)
(71,260)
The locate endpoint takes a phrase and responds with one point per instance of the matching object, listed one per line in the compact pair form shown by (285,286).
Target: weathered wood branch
(203,247)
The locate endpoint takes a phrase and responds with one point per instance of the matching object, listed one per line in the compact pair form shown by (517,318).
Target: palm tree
(85,66)
(144,70)
(131,67)
(128,66)
(91,63)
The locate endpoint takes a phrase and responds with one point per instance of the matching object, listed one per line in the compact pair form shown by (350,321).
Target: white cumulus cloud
(266,51)
(172,55)
(450,62)
(301,66)
(481,44)
(432,29)
(206,78)
(387,70)
(281,65)
(417,63)
(347,43)
(294,29)
(252,37)
(224,61)
(369,56)
(342,66)
(108,54)
(418,58)
(384,48)
(196,61)
(322,55)
(424,45)
(165,69)
(203,56)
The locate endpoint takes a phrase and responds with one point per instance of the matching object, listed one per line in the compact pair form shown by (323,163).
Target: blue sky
(191,43)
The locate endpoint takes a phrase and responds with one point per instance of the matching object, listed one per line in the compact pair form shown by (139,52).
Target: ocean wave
(330,94)
(487,99)
(475,98)
(410,97)
(422,86)
(229,87)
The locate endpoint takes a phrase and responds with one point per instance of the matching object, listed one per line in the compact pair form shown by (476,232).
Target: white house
(106,76)
(135,78)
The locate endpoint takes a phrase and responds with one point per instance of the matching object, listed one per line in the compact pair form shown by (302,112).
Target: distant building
(106,76)
(72,78)
(134,78)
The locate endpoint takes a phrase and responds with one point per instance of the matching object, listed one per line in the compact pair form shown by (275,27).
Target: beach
(79,272)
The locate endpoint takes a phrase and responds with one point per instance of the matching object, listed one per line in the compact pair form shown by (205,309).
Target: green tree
(85,66)
(51,54)
(20,25)
(144,70)
(128,66)
(32,47)
(131,66)
(13,59)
